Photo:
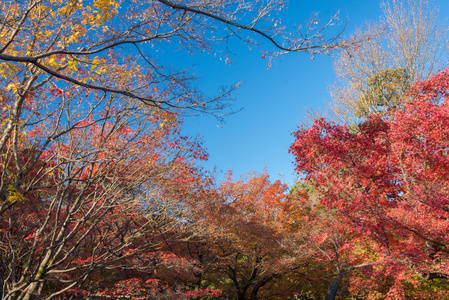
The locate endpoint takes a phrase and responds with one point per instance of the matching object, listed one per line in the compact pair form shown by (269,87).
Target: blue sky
(273,100)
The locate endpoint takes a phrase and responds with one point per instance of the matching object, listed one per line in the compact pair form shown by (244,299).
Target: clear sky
(273,100)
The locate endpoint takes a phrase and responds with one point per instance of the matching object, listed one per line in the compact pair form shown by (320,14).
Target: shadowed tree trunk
(333,288)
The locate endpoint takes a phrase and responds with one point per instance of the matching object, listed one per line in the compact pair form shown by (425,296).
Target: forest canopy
(102,195)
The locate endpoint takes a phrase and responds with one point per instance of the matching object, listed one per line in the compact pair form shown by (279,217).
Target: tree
(408,44)
(81,44)
(247,250)
(90,200)
(385,90)
(337,256)
(94,172)
(246,227)
(387,181)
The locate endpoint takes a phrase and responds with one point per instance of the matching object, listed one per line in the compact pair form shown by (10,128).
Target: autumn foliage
(102,197)
(387,181)
(100,193)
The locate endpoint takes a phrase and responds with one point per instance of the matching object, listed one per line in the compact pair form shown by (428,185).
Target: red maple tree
(388,181)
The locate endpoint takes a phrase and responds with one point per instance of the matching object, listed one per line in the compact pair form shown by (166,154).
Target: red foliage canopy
(389,178)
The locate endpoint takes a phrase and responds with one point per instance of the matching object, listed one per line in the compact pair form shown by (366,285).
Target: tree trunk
(333,288)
